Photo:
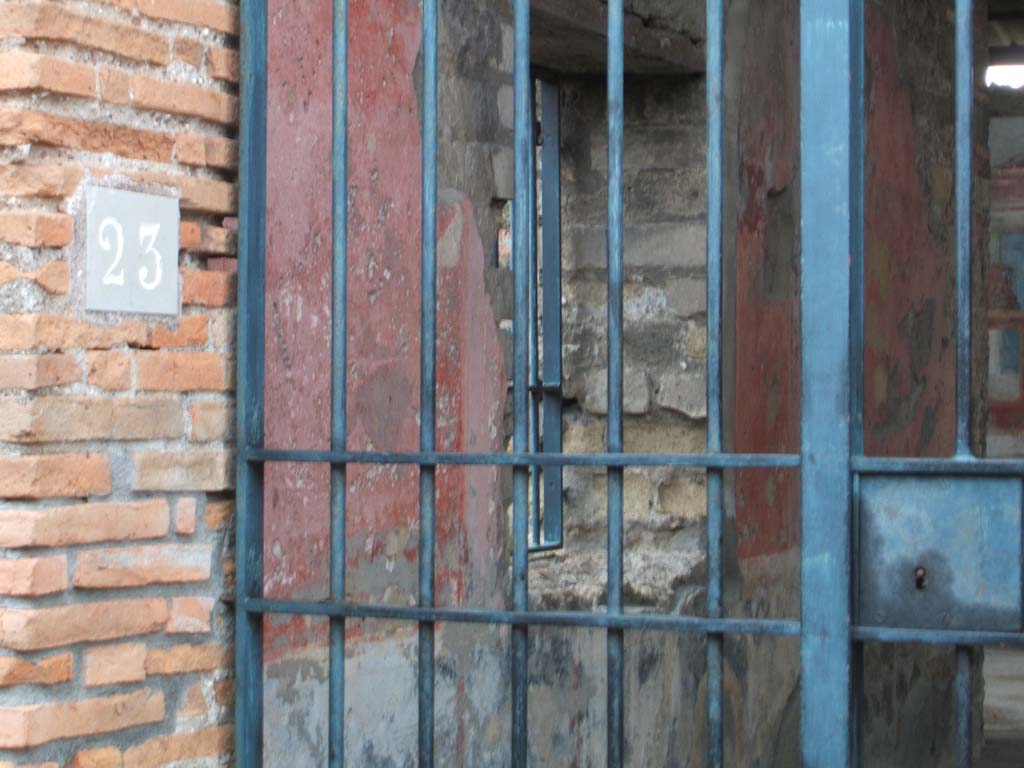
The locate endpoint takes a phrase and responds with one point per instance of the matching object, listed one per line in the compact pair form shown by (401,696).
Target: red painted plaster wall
(909,407)
(384,250)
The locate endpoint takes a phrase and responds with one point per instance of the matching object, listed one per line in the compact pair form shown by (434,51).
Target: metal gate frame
(831,458)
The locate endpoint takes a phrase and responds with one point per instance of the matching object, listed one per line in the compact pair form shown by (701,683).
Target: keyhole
(920,577)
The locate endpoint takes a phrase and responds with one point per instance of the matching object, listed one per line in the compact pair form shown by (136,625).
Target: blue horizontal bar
(429,458)
(952,466)
(963,637)
(548,547)
(645,621)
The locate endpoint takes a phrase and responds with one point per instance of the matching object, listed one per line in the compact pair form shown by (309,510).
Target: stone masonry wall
(115,459)
(665,307)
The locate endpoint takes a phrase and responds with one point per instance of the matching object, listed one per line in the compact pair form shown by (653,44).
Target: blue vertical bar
(715,107)
(964,192)
(251,286)
(615,442)
(534,341)
(964,245)
(964,707)
(520,475)
(825,134)
(551,252)
(858,149)
(428,383)
(339,368)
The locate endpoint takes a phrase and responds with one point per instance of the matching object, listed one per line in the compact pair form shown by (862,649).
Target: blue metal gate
(861,514)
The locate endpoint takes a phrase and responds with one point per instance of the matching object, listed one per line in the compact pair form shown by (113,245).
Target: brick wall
(115,432)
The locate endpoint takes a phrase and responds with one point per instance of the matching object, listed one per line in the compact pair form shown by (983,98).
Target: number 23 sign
(131,259)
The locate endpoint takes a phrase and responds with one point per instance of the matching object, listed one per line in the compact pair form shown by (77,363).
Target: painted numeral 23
(148,233)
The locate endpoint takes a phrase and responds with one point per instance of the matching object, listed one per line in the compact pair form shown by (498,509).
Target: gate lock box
(940,552)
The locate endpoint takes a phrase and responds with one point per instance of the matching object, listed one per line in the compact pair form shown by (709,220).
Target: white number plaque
(131,252)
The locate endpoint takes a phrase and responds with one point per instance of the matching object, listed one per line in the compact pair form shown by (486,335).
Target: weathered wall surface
(909,400)
(115,434)
(762,362)
(910,357)
(384,244)
(909,361)
(665,408)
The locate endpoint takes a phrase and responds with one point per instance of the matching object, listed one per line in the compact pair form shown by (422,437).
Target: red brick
(180,372)
(190,615)
(179,747)
(114,664)
(193,703)
(218,515)
(142,565)
(189,51)
(36,229)
(41,628)
(69,419)
(58,333)
(185,517)
(33,576)
(207,288)
(183,659)
(50,670)
(24,71)
(202,150)
(31,372)
(30,726)
(52,277)
(183,471)
(115,86)
(184,99)
(19,332)
(212,420)
(222,63)
(222,264)
(189,235)
(10,273)
(45,21)
(111,371)
(222,17)
(84,524)
(210,240)
(49,181)
(224,692)
(191,332)
(54,476)
(199,195)
(104,757)
(22,126)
